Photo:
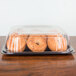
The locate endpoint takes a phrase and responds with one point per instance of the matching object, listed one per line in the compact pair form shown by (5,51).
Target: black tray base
(70,50)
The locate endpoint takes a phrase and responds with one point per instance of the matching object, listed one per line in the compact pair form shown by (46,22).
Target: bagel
(57,42)
(16,43)
(37,43)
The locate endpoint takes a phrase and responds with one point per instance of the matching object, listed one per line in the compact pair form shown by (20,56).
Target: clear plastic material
(37,39)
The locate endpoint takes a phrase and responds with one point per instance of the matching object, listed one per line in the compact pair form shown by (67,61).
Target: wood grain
(54,65)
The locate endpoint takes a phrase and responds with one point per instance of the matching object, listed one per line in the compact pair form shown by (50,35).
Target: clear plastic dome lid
(37,39)
(38,30)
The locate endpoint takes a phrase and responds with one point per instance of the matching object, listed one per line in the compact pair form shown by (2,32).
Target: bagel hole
(37,43)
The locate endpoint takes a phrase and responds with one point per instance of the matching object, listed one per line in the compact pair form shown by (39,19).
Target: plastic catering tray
(37,40)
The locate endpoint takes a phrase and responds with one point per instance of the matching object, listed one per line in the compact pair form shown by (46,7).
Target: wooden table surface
(53,65)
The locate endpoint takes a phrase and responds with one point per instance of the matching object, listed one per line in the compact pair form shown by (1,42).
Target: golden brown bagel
(37,43)
(16,43)
(57,43)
